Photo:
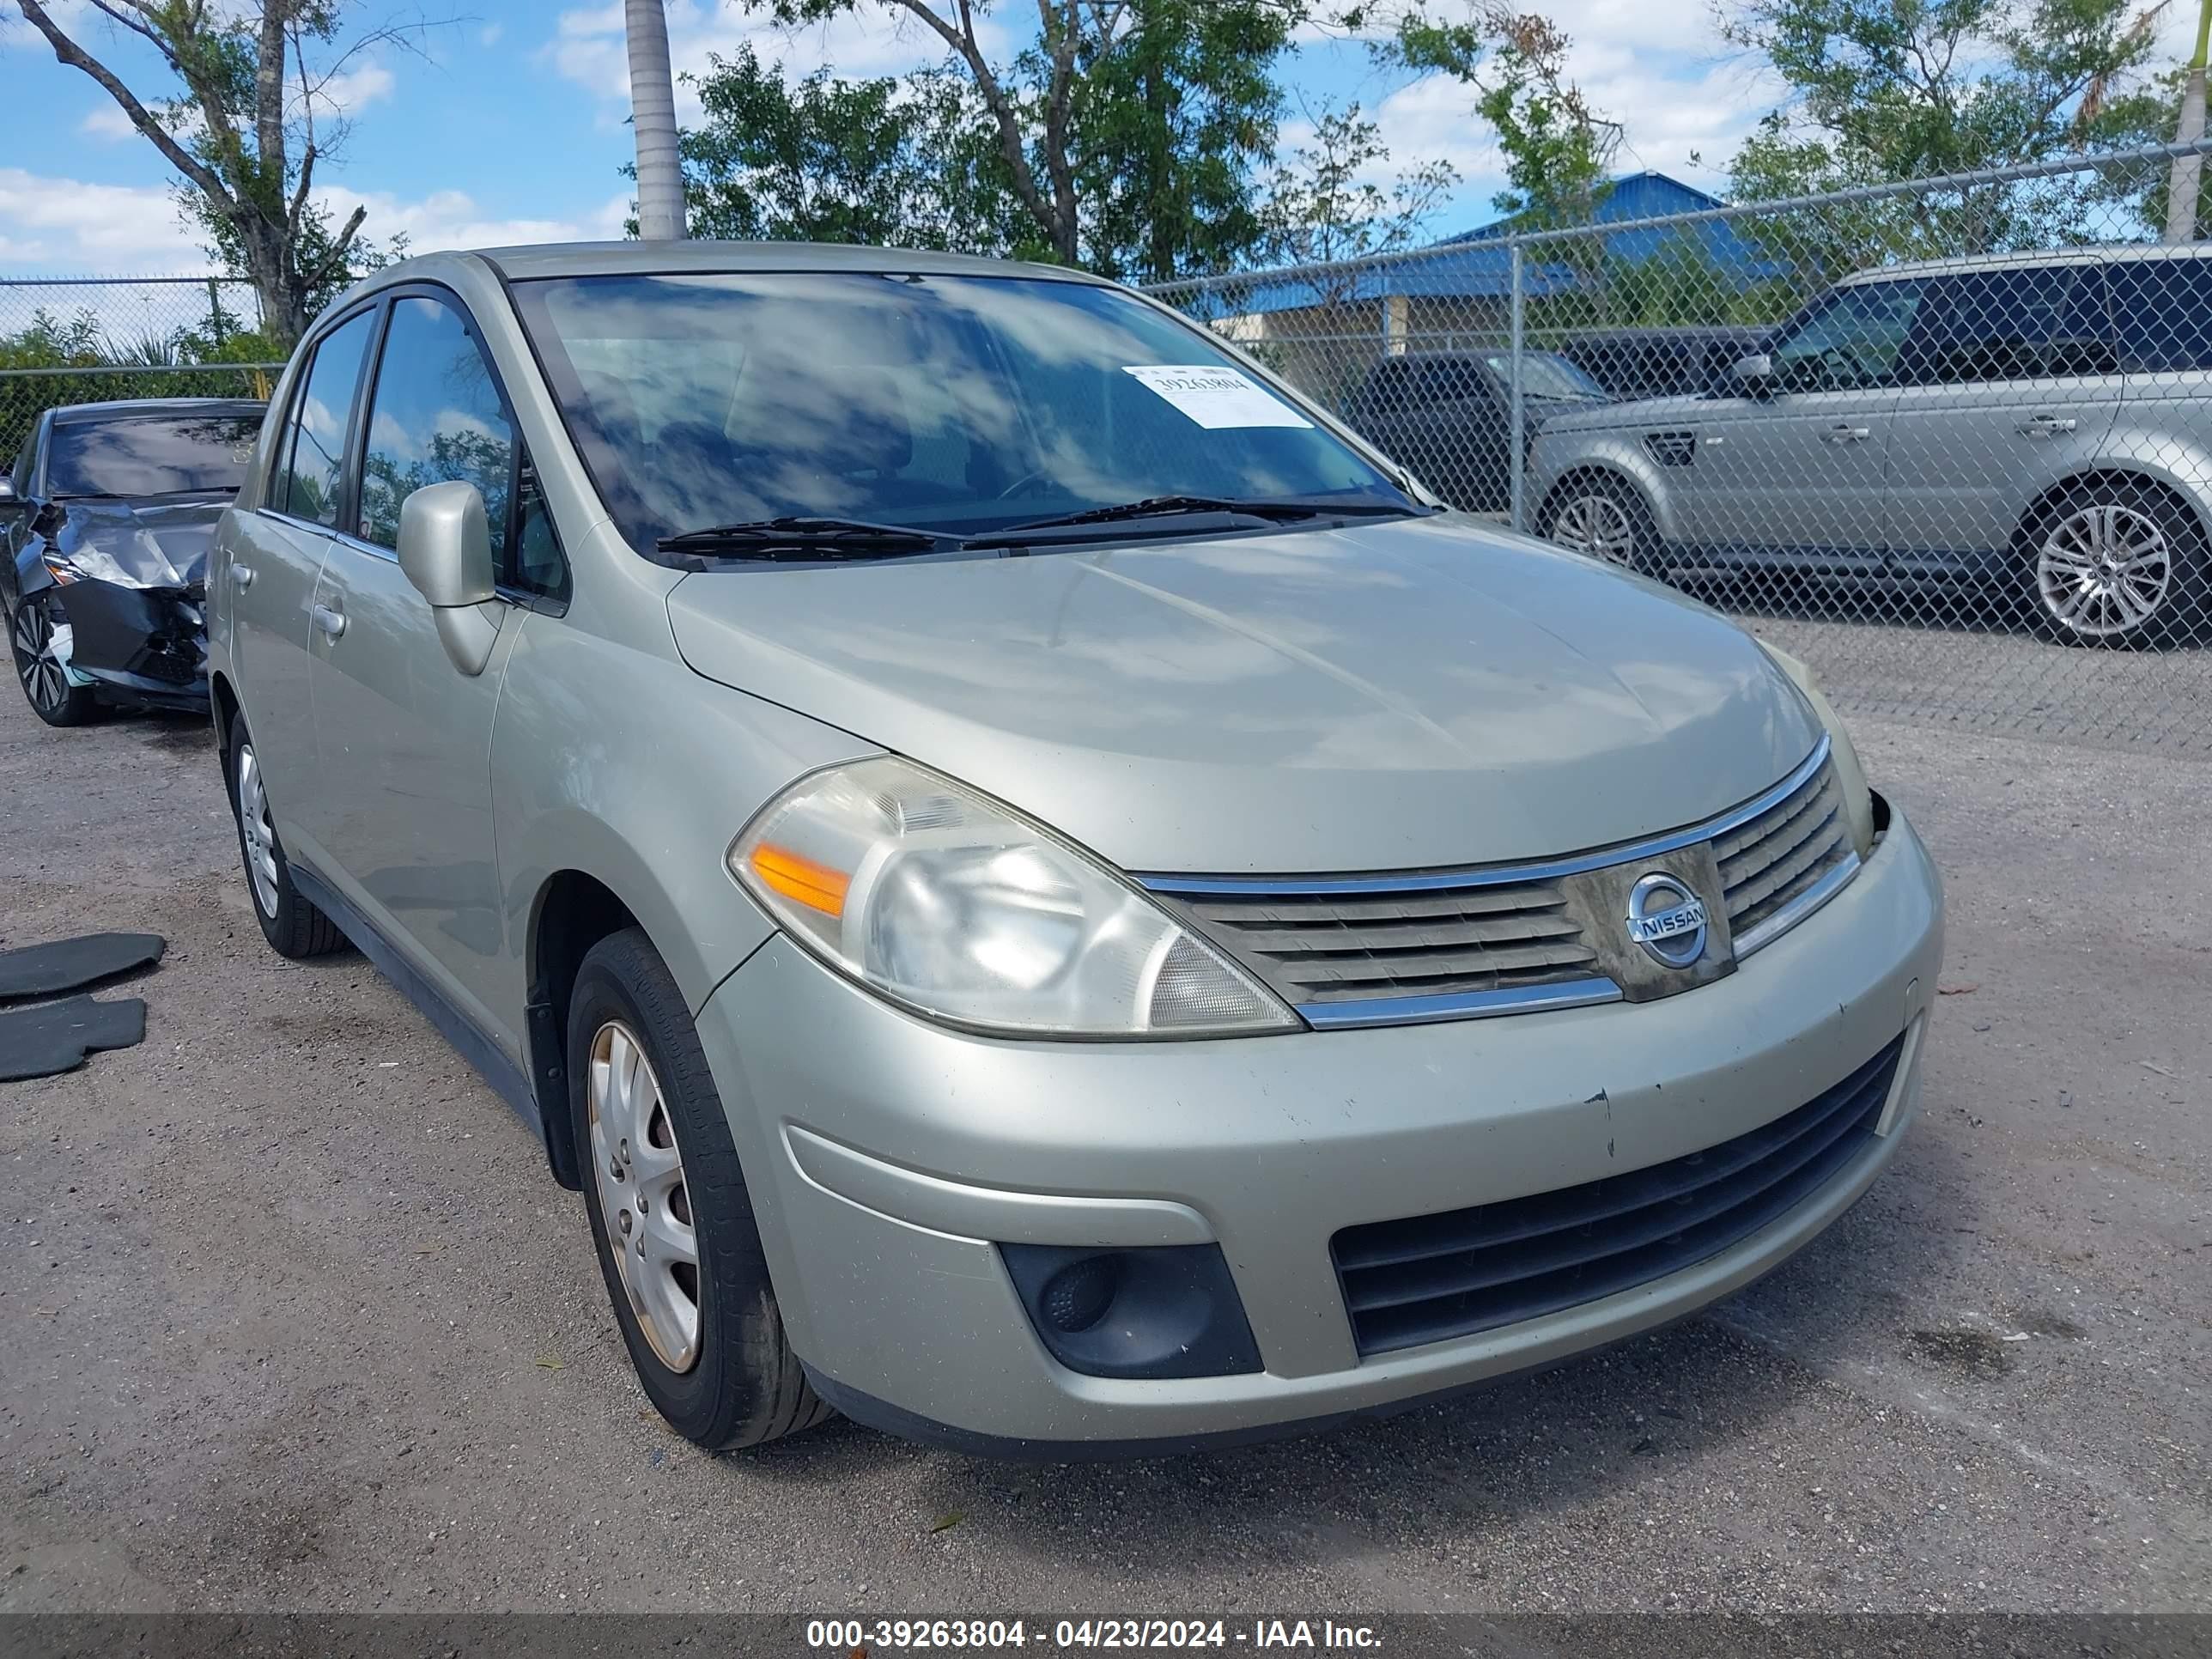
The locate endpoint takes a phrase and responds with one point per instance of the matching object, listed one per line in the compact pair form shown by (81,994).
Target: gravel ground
(291,1316)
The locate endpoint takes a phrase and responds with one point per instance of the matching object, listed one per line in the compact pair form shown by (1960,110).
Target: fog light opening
(1078,1296)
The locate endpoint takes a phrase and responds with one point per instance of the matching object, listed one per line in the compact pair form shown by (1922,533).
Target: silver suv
(2039,421)
(1044,895)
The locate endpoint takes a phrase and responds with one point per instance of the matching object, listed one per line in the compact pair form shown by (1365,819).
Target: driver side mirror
(9,501)
(1754,376)
(445,550)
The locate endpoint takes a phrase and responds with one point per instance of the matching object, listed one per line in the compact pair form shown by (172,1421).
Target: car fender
(1560,455)
(643,791)
(2157,451)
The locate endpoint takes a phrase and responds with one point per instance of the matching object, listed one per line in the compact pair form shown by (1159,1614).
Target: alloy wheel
(643,1199)
(46,683)
(2104,571)
(260,835)
(1597,525)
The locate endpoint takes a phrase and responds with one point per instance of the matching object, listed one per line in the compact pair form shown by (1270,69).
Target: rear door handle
(330,619)
(1847,435)
(241,576)
(2046,426)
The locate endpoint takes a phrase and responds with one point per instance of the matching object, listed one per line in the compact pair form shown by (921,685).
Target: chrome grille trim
(1421,946)
(1417,881)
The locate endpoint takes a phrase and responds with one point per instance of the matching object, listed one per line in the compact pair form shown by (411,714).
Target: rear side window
(312,449)
(1984,325)
(2162,309)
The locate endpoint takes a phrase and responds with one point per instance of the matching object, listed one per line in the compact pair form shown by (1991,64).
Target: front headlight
(960,909)
(1850,776)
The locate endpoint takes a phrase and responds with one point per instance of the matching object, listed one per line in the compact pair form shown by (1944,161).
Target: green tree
(1558,148)
(237,120)
(886,162)
(1323,205)
(1122,136)
(1885,90)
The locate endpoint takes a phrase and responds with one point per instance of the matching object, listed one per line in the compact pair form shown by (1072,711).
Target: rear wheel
(1606,521)
(293,927)
(678,1245)
(2117,564)
(39,670)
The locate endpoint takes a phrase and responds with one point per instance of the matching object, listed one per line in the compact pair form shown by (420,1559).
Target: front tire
(2117,564)
(673,1224)
(1604,520)
(293,927)
(46,685)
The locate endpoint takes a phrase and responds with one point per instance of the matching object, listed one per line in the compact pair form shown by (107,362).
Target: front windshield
(953,405)
(150,455)
(1545,374)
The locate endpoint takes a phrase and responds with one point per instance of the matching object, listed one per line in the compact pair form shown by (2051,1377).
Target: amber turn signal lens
(801,879)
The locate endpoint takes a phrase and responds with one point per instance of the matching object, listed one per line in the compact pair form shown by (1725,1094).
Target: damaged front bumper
(144,644)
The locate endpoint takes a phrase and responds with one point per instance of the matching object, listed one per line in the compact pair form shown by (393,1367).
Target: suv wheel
(677,1242)
(293,927)
(52,697)
(1605,521)
(2117,564)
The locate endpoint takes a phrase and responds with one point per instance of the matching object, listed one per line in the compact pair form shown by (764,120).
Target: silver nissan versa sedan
(1048,897)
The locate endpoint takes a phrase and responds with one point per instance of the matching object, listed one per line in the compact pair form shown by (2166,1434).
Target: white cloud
(452,218)
(73,225)
(588,48)
(489,35)
(354,89)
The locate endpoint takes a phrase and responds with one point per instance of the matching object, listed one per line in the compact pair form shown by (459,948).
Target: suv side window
(437,415)
(311,453)
(1980,326)
(2162,310)
(1850,341)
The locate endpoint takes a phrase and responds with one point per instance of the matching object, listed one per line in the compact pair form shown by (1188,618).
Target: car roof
(528,263)
(2101,253)
(136,408)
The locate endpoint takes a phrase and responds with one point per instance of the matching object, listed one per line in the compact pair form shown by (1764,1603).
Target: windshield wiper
(1276,508)
(806,537)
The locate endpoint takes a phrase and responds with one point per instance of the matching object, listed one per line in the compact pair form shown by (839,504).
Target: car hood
(159,543)
(1641,412)
(1417,693)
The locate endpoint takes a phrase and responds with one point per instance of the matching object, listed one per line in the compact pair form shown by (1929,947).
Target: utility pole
(653,112)
(2188,171)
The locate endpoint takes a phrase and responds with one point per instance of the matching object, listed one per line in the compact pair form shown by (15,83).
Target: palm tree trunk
(2186,176)
(653,112)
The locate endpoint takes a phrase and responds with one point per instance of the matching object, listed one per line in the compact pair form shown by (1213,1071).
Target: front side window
(953,405)
(308,482)
(436,416)
(151,455)
(1850,341)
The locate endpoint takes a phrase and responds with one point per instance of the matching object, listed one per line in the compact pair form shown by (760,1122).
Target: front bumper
(889,1157)
(141,644)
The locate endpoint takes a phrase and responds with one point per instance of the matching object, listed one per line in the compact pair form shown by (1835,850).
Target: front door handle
(2046,426)
(1847,435)
(329,618)
(241,576)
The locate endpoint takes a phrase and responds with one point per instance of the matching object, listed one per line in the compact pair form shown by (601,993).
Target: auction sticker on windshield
(1216,396)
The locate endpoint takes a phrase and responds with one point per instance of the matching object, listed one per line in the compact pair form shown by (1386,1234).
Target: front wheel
(2117,564)
(54,698)
(1605,521)
(671,1218)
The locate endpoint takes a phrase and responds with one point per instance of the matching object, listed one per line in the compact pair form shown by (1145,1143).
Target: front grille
(1321,947)
(1778,855)
(1428,1278)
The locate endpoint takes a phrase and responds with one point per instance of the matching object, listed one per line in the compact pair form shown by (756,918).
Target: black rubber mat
(56,1036)
(66,964)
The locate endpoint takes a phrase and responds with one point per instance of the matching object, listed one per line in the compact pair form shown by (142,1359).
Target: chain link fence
(79,340)
(1949,441)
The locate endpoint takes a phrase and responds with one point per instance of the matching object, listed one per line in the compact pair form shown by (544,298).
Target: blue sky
(512,127)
